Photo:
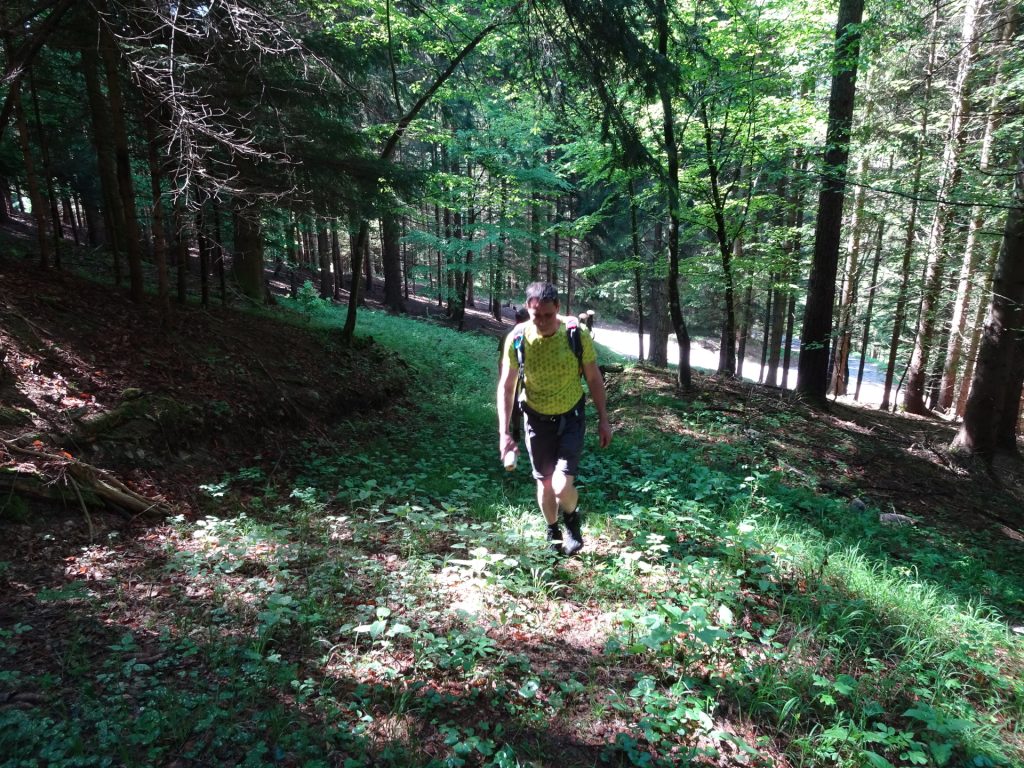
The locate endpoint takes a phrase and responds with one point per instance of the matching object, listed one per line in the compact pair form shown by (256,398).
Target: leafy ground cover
(373,588)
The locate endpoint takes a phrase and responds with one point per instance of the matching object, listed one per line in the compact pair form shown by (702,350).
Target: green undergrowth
(393,604)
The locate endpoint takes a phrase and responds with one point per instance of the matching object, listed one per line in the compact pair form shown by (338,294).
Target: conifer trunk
(159,239)
(872,288)
(996,389)
(965,284)
(391,256)
(812,379)
(247,264)
(125,182)
(657,290)
(900,313)
(913,396)
(683,373)
(34,192)
(978,327)
(848,303)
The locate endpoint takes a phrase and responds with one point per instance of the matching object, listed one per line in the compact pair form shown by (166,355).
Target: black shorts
(555,442)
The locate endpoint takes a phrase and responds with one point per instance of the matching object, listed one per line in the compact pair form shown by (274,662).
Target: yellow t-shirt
(551,370)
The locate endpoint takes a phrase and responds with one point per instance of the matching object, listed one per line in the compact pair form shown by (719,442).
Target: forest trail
(358,579)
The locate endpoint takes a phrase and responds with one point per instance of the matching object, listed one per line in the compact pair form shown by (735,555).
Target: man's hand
(505,444)
(604,433)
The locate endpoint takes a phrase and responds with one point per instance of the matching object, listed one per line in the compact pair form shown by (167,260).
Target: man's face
(544,315)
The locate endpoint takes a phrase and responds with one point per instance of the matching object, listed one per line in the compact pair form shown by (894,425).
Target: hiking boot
(555,538)
(573,541)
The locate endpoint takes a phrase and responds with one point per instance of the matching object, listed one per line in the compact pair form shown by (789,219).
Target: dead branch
(83,477)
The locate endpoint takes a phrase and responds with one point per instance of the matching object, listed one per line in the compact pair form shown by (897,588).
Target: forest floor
(168,405)
(75,347)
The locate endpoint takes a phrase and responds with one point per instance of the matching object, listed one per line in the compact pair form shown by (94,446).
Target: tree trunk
(996,388)
(499,261)
(956,135)
(778,322)
(181,249)
(683,373)
(812,378)
(159,238)
(657,287)
(125,182)
(5,200)
(534,236)
(634,232)
(44,153)
(848,303)
(247,264)
(965,284)
(392,143)
(744,319)
(871,304)
(392,257)
(323,249)
(34,192)
(69,214)
(336,262)
(978,327)
(768,310)
(727,346)
(900,314)
(204,247)
(794,249)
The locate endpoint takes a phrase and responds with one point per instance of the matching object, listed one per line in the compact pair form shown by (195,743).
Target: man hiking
(546,356)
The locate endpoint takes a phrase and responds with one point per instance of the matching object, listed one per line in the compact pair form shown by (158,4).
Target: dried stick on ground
(83,477)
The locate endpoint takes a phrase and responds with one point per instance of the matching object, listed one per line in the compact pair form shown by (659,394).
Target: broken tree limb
(88,483)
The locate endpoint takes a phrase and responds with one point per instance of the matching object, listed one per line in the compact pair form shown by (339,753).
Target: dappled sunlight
(394,595)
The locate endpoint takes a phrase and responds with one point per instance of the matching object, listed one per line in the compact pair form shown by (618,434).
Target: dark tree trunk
(5,200)
(900,315)
(683,375)
(812,379)
(44,153)
(159,238)
(34,192)
(204,247)
(779,304)
(996,389)
(247,264)
(69,215)
(391,255)
(766,331)
(657,287)
(181,250)
(634,232)
(218,253)
(979,321)
(336,261)
(125,182)
(323,249)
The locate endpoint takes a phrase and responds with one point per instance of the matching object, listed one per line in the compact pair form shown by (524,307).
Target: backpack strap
(519,345)
(572,331)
